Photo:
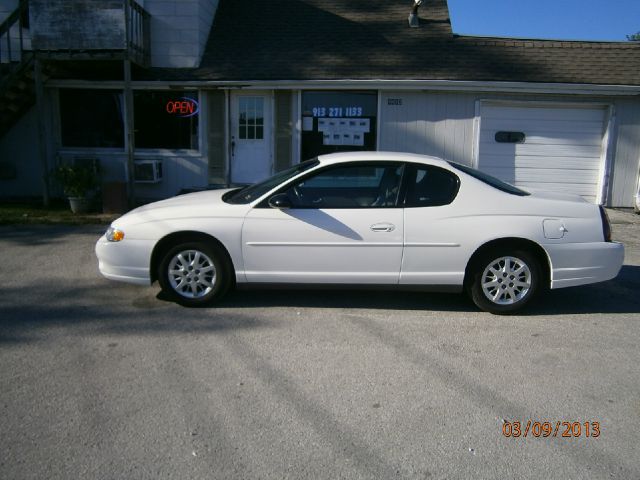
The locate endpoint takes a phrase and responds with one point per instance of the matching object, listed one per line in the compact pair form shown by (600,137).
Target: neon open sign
(183,107)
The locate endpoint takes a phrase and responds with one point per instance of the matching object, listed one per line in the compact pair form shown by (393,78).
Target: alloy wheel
(506,280)
(191,274)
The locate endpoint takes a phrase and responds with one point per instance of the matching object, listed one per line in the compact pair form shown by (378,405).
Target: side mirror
(280,201)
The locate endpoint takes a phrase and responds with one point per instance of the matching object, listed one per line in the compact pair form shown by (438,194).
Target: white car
(374,218)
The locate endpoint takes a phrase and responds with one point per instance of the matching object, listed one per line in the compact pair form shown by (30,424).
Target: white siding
(624,180)
(431,124)
(6,7)
(179,31)
(19,147)
(562,151)
(206,12)
(179,171)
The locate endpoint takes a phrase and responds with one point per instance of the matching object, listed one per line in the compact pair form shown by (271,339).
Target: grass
(58,213)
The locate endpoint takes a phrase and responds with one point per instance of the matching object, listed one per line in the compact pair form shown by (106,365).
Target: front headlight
(114,235)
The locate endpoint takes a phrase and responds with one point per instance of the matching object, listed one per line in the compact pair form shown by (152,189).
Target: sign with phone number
(337,112)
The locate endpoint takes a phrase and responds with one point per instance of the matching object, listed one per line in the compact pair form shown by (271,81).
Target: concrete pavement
(105,380)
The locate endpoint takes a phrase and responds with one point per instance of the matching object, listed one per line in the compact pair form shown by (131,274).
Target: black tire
(499,284)
(192,286)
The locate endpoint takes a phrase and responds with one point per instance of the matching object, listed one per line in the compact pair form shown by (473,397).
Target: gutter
(350,84)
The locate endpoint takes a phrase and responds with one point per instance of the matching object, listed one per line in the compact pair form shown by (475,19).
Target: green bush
(76,180)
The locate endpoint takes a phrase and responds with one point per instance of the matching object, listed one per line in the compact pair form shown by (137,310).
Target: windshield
(251,192)
(489,180)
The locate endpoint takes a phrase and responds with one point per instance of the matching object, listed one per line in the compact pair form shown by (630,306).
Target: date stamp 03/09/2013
(545,429)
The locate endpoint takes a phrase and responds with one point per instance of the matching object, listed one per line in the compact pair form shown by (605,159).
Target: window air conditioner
(147,171)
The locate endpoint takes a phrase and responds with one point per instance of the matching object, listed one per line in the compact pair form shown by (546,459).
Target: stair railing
(13,56)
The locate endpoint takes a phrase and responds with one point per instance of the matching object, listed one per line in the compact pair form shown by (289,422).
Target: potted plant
(77,181)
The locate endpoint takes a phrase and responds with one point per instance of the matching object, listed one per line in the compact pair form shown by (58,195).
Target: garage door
(554,148)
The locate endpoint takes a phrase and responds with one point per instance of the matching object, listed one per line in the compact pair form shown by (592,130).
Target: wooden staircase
(17,86)
(19,49)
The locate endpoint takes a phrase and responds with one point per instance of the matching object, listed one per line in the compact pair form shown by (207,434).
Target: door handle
(233,146)
(383,227)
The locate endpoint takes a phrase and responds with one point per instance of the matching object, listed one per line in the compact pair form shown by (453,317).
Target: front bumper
(125,261)
(583,263)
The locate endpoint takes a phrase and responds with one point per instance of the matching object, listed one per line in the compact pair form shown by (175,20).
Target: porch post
(42,137)
(128,105)
(128,127)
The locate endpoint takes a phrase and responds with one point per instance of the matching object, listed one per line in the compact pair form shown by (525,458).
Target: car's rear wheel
(194,274)
(504,282)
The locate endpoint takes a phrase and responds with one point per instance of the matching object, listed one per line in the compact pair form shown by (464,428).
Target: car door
(343,226)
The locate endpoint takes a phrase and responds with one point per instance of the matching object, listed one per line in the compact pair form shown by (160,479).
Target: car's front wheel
(194,274)
(504,282)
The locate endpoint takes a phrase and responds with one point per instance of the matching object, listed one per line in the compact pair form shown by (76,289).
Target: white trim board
(349,84)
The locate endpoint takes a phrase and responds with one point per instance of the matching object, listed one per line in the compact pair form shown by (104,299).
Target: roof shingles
(367,39)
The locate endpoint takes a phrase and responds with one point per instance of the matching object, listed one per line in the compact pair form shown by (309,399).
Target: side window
(431,187)
(91,118)
(352,186)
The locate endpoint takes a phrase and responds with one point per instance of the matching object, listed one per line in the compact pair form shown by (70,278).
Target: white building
(229,92)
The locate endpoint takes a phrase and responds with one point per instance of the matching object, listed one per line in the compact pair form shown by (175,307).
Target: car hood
(208,203)
(195,199)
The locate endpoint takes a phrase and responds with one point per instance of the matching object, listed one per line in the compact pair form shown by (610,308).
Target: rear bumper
(583,263)
(126,261)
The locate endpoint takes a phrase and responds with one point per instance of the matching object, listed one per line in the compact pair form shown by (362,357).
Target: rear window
(429,186)
(489,180)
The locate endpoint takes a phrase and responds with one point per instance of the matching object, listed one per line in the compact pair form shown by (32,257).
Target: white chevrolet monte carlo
(366,218)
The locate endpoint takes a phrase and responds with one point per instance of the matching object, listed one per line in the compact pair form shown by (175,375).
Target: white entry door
(251,149)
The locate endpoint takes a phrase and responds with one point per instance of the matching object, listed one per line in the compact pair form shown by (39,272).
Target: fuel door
(553,228)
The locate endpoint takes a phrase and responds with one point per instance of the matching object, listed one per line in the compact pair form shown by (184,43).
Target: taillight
(606,225)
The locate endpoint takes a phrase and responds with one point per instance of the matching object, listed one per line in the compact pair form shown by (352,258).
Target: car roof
(380,156)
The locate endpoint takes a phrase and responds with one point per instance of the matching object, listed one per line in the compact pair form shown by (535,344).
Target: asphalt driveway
(105,380)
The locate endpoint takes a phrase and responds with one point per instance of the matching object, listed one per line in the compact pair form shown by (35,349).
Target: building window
(338,122)
(166,119)
(251,118)
(91,118)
